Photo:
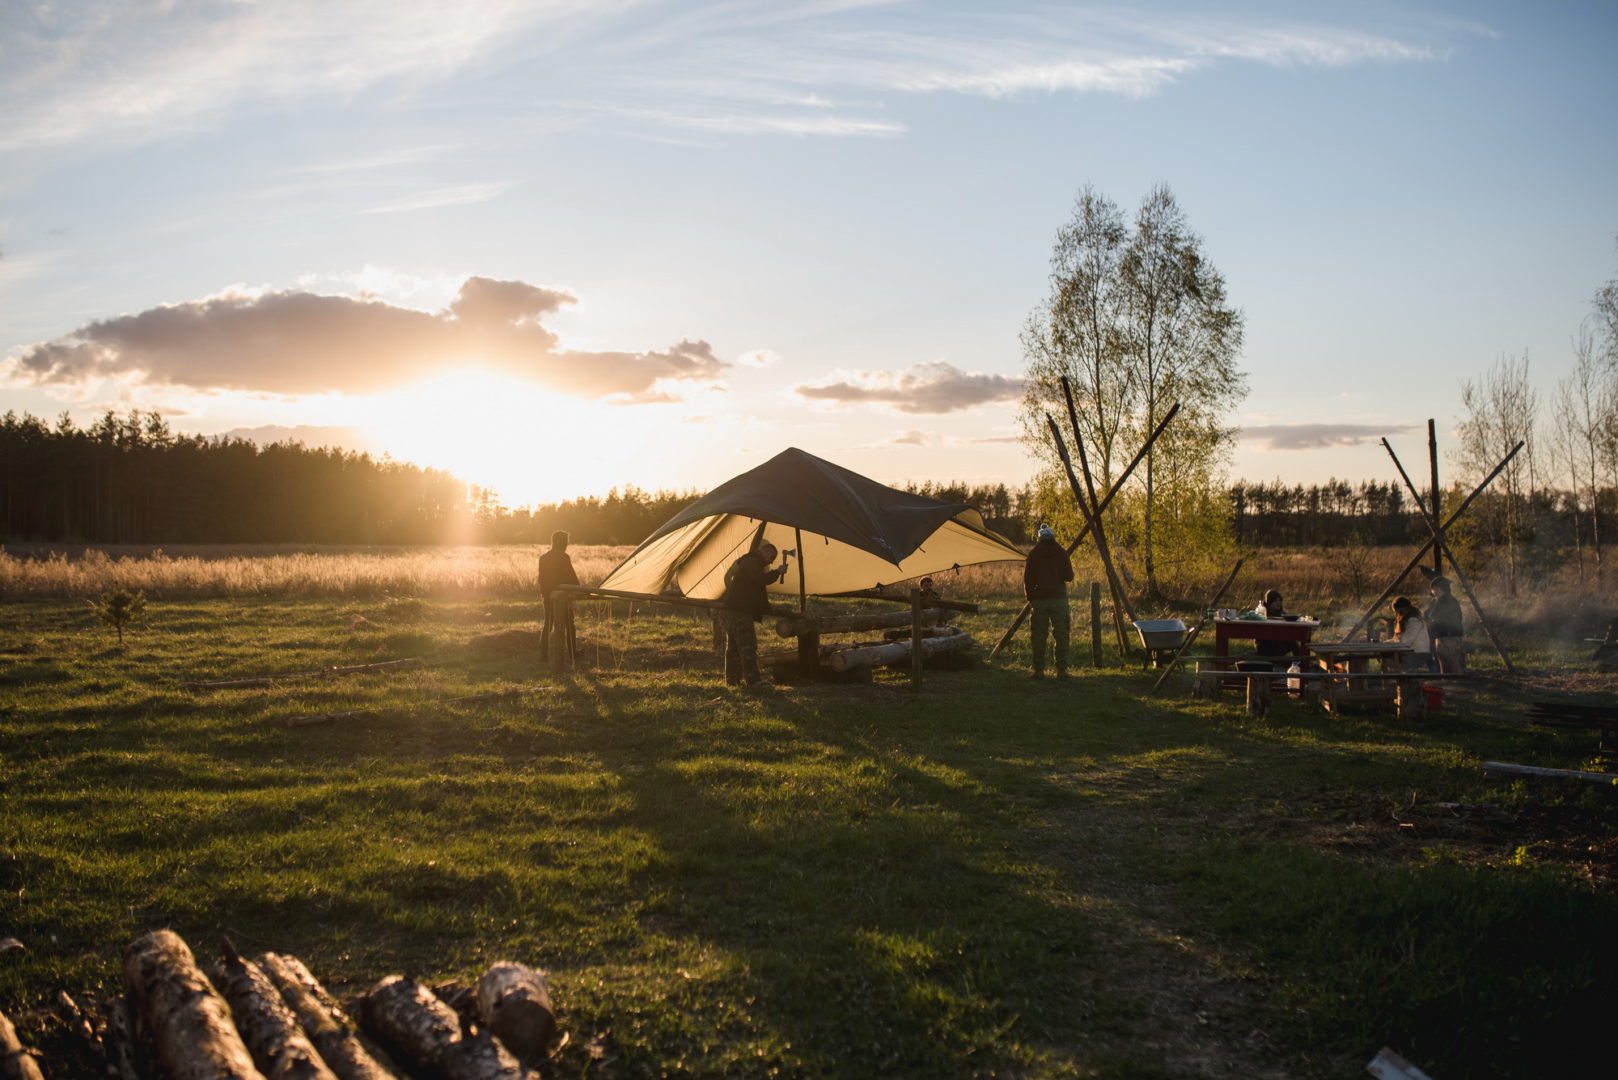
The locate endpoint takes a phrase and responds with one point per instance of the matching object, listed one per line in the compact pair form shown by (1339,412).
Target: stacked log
(515,1004)
(322,1020)
(847,624)
(406,1015)
(894,652)
(189,1021)
(278,1044)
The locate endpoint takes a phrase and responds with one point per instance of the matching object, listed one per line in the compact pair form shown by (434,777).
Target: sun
(526,444)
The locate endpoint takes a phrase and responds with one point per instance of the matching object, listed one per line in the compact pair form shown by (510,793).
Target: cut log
(123,1054)
(842,624)
(323,1020)
(896,652)
(515,1004)
(190,1022)
(16,1062)
(279,1047)
(406,1015)
(1506,768)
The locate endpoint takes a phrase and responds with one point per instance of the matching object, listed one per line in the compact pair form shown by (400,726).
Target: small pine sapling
(119,608)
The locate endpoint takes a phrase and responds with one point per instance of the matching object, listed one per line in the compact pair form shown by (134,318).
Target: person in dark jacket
(1443,617)
(745,603)
(556,568)
(1045,575)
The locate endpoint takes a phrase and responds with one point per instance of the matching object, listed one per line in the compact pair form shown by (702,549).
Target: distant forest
(132,480)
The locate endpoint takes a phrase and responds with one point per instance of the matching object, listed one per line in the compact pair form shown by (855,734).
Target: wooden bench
(1403,689)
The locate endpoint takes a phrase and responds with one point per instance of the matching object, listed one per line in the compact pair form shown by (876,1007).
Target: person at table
(1409,628)
(1443,616)
(1045,575)
(1271,608)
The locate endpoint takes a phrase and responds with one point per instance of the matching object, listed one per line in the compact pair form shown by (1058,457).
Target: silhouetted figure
(556,568)
(1271,607)
(746,602)
(1045,575)
(1443,617)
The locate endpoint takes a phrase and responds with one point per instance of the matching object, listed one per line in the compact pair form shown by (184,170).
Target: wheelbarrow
(1160,639)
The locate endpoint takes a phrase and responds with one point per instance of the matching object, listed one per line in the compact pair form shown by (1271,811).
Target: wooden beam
(1106,501)
(1121,607)
(1119,601)
(1441,546)
(1421,554)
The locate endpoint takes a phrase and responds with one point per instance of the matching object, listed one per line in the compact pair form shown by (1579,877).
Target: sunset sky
(561,246)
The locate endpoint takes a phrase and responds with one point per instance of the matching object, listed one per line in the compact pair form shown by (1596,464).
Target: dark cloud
(303,343)
(1317,436)
(924,389)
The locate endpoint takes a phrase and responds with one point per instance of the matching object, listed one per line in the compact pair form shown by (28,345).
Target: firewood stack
(271,1019)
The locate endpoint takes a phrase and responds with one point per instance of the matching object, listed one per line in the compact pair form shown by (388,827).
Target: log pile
(271,1019)
(941,645)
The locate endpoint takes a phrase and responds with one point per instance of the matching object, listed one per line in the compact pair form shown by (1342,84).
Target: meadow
(993,877)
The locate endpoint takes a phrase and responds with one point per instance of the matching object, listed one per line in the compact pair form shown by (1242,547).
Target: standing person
(745,603)
(1045,575)
(1443,617)
(1410,629)
(556,568)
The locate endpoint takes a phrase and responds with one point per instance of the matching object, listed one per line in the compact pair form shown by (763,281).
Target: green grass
(995,877)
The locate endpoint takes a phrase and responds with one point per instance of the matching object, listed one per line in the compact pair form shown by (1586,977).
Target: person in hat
(556,568)
(746,601)
(1045,575)
(1443,616)
(1271,607)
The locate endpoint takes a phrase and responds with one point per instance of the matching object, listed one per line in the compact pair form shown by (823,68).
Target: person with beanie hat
(1045,575)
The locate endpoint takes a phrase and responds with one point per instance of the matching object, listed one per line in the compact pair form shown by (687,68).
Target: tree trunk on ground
(515,1004)
(190,1022)
(833,624)
(894,652)
(323,1020)
(279,1047)
(404,1014)
(16,1063)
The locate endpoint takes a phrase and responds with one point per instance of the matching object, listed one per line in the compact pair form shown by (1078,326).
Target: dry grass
(212,571)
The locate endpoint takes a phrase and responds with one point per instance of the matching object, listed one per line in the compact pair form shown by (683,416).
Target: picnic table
(1360,684)
(1295,632)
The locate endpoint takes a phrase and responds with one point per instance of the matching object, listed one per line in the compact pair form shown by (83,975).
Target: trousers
(741,649)
(1051,619)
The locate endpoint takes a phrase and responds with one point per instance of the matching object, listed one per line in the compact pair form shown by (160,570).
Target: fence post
(1095,623)
(915,641)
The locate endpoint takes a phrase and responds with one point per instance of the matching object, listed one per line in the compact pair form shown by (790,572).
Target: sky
(558,246)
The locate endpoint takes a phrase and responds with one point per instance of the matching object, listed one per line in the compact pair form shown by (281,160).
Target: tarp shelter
(850,532)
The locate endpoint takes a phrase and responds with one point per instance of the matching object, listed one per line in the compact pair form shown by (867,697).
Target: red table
(1295,631)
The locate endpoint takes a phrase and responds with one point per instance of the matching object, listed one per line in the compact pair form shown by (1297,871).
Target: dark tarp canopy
(850,532)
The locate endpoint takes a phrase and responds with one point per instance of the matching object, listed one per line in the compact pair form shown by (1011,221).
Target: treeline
(132,480)
(1322,515)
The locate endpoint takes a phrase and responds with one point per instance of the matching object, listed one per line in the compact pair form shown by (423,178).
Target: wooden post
(1258,694)
(1022,614)
(809,651)
(915,641)
(1122,609)
(1432,461)
(1410,699)
(1120,603)
(803,597)
(1095,623)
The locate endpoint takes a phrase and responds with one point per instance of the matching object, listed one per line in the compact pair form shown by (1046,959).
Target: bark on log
(515,1004)
(190,1022)
(323,1020)
(895,652)
(903,633)
(279,1047)
(16,1063)
(123,1055)
(839,624)
(404,1014)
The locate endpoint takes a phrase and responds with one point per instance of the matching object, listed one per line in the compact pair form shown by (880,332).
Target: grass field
(995,877)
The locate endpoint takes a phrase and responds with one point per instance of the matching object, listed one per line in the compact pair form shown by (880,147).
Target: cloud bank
(923,389)
(298,342)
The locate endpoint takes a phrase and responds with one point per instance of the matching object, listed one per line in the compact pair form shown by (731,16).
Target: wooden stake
(1022,615)
(1119,601)
(1120,598)
(1095,623)
(1432,462)
(1441,546)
